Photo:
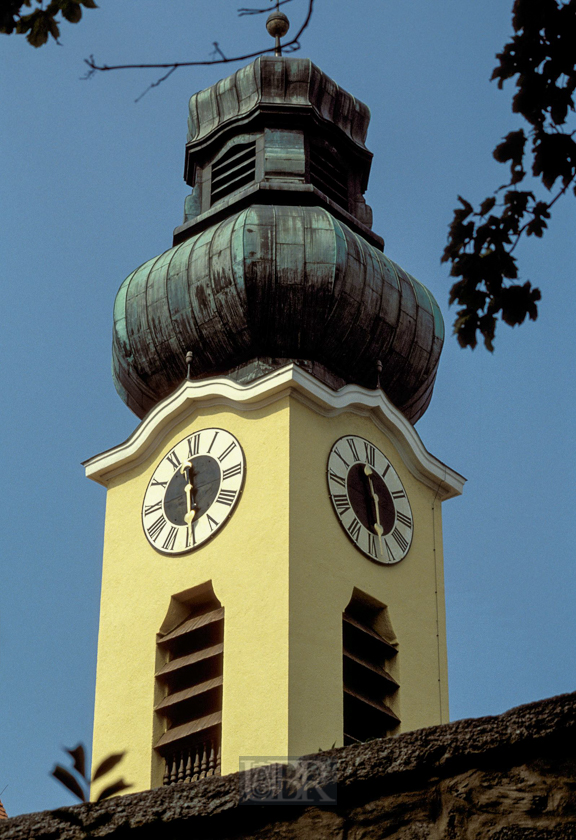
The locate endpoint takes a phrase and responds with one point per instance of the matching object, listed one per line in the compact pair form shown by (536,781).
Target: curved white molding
(289,380)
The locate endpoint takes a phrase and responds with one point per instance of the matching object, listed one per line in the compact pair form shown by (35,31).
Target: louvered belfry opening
(329,174)
(369,650)
(236,168)
(191,681)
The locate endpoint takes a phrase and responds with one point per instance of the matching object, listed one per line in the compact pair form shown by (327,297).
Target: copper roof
(3,814)
(280,283)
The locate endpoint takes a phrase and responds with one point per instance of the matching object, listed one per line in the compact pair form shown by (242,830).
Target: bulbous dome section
(277,284)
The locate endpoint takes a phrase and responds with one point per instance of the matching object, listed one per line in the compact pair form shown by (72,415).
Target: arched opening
(370,649)
(189,683)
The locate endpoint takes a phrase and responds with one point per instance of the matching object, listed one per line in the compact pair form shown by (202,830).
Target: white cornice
(289,380)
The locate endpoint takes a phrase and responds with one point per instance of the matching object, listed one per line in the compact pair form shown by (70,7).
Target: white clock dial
(370,500)
(193,491)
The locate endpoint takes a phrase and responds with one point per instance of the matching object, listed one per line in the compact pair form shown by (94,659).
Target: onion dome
(276,261)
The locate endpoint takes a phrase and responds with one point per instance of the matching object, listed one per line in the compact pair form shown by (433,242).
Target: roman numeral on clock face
(352,444)
(227,451)
(153,508)
(212,522)
(231,472)
(391,557)
(156,528)
(354,529)
(337,479)
(338,455)
(194,445)
(372,544)
(226,497)
(403,519)
(191,543)
(170,540)
(174,460)
(341,502)
(396,535)
(370,452)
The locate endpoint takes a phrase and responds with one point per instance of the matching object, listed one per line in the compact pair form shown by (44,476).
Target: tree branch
(242,12)
(174,65)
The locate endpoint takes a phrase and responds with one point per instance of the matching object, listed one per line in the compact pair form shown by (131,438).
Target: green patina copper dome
(276,260)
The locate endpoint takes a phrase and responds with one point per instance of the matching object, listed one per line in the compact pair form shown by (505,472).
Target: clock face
(193,491)
(370,500)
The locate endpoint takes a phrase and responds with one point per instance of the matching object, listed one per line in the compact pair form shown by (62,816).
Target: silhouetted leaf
(511,148)
(71,10)
(79,758)
(111,790)
(107,764)
(467,207)
(67,779)
(487,205)
(39,29)
(518,302)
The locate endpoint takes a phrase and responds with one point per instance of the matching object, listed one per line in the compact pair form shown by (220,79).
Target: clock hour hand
(378,529)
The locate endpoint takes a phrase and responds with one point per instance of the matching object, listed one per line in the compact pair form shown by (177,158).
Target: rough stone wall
(495,778)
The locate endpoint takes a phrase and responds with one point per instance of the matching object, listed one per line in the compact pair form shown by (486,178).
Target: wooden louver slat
(378,705)
(374,667)
(364,628)
(172,700)
(185,661)
(181,733)
(192,624)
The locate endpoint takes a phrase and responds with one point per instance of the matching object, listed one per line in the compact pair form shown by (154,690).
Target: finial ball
(277,24)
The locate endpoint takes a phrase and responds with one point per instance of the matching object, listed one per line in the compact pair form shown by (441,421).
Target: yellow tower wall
(282,568)
(325,567)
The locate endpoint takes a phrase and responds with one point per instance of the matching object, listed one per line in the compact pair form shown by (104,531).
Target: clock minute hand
(378,529)
(190,514)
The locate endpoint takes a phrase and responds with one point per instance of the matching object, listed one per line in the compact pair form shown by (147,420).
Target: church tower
(272,574)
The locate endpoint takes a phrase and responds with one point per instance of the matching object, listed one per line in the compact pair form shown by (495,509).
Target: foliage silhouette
(78,783)
(41,23)
(542,60)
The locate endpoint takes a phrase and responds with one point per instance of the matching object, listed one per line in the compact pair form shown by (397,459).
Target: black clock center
(205,478)
(360,487)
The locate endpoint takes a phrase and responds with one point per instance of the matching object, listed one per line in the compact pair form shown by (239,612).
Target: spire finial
(277,25)
(189,357)
(379,368)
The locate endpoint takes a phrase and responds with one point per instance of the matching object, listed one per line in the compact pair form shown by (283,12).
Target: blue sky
(92,187)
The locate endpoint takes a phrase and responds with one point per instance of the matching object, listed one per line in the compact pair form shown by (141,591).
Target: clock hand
(190,514)
(378,529)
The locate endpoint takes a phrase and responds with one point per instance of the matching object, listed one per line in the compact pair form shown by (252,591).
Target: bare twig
(242,12)
(291,45)
(217,50)
(155,84)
